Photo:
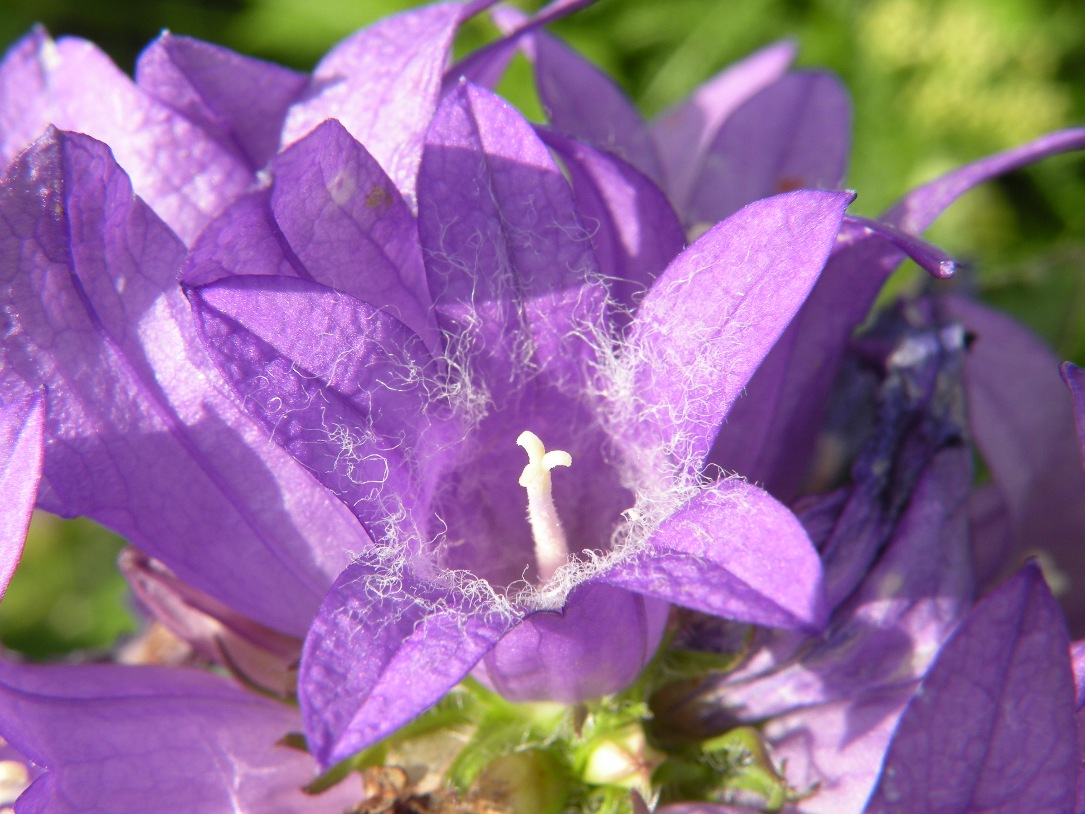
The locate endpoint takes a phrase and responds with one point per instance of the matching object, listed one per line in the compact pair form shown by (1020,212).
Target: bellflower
(130,423)
(199,122)
(499,320)
(505,332)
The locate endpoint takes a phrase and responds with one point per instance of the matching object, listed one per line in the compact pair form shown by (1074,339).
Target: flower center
(551,550)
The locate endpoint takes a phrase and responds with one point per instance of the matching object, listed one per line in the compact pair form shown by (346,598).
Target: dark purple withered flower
(403,371)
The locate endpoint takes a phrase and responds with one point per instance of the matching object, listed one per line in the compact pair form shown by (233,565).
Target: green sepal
(751,768)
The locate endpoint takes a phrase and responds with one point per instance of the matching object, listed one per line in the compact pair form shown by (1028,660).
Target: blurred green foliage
(67,594)
(935,83)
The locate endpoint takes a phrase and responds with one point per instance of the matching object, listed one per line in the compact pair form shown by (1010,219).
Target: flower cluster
(544,457)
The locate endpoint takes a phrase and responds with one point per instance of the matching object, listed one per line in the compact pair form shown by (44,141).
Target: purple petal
(927,256)
(383,84)
(683,133)
(636,232)
(385,646)
(332,216)
(992,727)
(347,223)
(21,424)
(713,315)
(239,100)
(185,175)
(918,209)
(1074,377)
(794,134)
(1023,425)
(770,434)
(734,552)
(153,739)
(139,434)
(487,65)
(243,240)
(834,751)
(510,264)
(584,103)
(597,644)
(336,382)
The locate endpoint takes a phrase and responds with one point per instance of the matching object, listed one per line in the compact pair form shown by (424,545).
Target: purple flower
(556,580)
(398,359)
(442,393)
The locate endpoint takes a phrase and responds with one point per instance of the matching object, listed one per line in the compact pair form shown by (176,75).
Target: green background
(935,83)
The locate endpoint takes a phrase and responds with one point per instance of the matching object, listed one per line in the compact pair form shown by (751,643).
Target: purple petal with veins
(607,632)
(720,306)
(136,413)
(635,232)
(239,100)
(385,646)
(732,552)
(153,739)
(918,209)
(382,84)
(992,727)
(345,396)
(793,134)
(509,261)
(346,222)
(184,173)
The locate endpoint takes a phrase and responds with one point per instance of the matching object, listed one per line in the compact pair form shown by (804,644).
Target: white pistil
(551,551)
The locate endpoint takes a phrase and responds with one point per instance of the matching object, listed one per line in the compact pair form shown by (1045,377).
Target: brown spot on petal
(378,198)
(789,183)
